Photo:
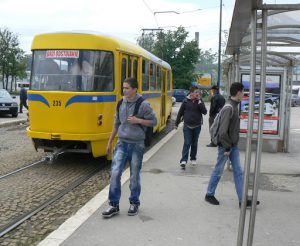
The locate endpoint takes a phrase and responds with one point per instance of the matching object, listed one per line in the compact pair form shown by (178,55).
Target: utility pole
(219,52)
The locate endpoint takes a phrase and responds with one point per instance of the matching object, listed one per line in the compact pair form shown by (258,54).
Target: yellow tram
(76,82)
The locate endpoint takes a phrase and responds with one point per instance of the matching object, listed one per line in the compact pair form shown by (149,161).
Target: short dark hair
(193,88)
(235,88)
(215,87)
(132,82)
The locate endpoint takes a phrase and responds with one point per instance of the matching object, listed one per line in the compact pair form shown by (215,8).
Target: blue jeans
(191,137)
(218,170)
(132,152)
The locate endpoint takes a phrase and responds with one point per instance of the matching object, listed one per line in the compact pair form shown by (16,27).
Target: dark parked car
(295,100)
(180,94)
(8,104)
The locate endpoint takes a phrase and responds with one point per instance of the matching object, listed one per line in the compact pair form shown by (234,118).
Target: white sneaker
(193,162)
(182,164)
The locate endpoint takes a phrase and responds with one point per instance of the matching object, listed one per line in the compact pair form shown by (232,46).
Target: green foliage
(173,47)
(147,41)
(12,63)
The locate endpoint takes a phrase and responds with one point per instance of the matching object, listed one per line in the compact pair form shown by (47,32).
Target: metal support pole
(260,126)
(237,68)
(250,128)
(287,111)
(234,67)
(220,40)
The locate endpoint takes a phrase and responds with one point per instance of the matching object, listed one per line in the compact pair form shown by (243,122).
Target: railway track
(62,194)
(20,219)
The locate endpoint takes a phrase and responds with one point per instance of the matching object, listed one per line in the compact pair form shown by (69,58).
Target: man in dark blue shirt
(23,99)
(217,102)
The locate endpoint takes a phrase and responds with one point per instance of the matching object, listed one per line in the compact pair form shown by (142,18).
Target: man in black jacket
(217,102)
(191,111)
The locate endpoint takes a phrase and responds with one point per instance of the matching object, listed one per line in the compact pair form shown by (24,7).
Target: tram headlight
(99,119)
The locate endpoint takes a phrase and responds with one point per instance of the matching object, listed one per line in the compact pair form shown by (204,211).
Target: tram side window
(129,67)
(158,75)
(135,68)
(145,75)
(123,72)
(169,81)
(152,77)
(104,72)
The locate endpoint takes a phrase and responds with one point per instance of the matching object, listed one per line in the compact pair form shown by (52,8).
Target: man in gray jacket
(130,147)
(228,146)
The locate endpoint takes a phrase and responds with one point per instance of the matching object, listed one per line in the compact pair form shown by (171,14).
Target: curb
(12,122)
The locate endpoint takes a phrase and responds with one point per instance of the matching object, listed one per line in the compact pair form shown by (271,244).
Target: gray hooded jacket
(229,130)
(133,133)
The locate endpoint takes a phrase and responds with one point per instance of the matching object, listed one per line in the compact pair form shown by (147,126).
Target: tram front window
(72,70)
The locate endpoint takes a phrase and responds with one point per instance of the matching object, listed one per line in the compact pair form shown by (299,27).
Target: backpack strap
(228,105)
(137,105)
(118,106)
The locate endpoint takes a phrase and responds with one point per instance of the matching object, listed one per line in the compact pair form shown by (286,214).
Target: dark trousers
(211,121)
(191,137)
(23,103)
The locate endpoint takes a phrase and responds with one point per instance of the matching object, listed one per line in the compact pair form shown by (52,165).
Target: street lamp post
(219,51)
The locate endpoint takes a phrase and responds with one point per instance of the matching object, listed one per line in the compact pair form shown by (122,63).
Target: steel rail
(22,168)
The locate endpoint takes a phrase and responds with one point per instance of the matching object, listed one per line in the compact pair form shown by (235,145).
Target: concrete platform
(173,210)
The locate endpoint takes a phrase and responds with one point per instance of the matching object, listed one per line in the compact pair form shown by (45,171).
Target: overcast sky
(122,18)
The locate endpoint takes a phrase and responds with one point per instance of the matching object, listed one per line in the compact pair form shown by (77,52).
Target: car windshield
(4,94)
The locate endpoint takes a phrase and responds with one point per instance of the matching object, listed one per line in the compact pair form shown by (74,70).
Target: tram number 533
(56,103)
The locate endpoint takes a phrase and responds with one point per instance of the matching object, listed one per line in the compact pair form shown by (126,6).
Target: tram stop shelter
(263,48)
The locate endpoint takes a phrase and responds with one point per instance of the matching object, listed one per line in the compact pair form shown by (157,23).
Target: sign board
(204,80)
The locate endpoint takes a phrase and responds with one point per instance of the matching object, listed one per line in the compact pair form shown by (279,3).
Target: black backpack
(149,129)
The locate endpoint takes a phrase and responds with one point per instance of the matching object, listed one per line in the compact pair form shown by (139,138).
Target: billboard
(271,108)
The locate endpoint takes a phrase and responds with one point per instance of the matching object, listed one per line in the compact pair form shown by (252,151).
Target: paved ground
(173,210)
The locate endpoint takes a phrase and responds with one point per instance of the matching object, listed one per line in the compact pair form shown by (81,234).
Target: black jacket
(191,112)
(216,103)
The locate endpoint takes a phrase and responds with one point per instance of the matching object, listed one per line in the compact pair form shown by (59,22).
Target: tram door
(129,68)
(163,80)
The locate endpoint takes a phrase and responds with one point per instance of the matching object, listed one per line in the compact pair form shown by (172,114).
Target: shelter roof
(283,32)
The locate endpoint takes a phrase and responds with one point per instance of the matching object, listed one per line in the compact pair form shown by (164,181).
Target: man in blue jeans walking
(130,147)
(191,111)
(228,146)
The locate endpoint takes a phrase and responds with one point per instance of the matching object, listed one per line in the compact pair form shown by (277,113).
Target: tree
(147,41)
(182,55)
(11,57)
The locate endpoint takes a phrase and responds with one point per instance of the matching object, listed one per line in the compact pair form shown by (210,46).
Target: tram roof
(91,41)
